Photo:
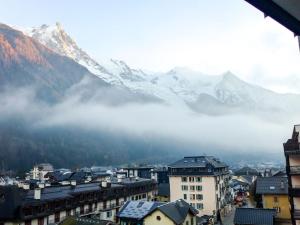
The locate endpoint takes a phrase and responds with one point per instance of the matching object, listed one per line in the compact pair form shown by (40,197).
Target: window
(184,196)
(187,223)
(41,221)
(132,198)
(192,188)
(199,187)
(184,187)
(191,179)
(158,218)
(199,179)
(56,217)
(28,222)
(108,214)
(183,179)
(199,197)
(276,199)
(192,221)
(192,197)
(199,206)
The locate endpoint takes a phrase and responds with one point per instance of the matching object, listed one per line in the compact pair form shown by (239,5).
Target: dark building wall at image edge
(291,147)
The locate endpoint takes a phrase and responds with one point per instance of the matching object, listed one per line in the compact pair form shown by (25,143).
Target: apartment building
(202,181)
(53,204)
(292,155)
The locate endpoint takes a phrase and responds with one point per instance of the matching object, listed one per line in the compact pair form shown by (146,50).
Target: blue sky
(211,36)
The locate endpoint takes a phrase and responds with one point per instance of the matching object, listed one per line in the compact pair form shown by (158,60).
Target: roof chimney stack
(37,193)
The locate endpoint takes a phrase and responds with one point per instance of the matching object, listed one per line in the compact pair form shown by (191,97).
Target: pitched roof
(272,185)
(198,161)
(177,211)
(254,216)
(280,173)
(137,209)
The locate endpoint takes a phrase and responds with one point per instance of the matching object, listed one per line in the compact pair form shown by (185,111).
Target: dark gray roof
(280,173)
(272,185)
(137,209)
(254,216)
(198,161)
(177,211)
(164,189)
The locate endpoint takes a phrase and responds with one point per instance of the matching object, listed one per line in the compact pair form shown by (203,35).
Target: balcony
(294,170)
(297,214)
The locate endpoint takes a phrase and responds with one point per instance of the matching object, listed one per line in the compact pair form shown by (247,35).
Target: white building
(39,171)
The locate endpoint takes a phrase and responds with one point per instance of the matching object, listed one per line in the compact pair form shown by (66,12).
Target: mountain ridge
(179,86)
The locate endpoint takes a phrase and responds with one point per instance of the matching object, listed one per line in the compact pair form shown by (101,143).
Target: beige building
(202,181)
(292,154)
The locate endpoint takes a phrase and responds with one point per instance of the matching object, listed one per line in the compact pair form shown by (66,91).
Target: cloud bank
(229,133)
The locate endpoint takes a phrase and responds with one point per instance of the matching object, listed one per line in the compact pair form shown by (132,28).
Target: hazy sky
(211,36)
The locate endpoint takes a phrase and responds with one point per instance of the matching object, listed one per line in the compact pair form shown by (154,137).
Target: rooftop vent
(37,193)
(73,183)
(140,204)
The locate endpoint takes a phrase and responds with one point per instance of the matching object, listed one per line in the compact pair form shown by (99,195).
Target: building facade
(292,155)
(274,195)
(202,181)
(53,204)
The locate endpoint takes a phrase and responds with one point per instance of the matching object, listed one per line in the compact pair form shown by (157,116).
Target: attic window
(158,218)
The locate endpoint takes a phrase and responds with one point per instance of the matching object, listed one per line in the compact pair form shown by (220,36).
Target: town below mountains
(59,105)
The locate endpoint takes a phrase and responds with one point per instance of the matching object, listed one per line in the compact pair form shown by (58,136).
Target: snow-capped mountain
(179,86)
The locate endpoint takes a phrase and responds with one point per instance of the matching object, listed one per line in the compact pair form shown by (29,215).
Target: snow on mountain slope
(179,86)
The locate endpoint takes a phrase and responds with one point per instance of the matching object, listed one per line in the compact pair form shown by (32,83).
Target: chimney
(37,193)
(73,183)
(104,184)
(41,185)
(120,178)
(26,186)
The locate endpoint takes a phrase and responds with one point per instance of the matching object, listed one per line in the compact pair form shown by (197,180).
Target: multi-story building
(274,195)
(292,155)
(47,205)
(39,171)
(202,181)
